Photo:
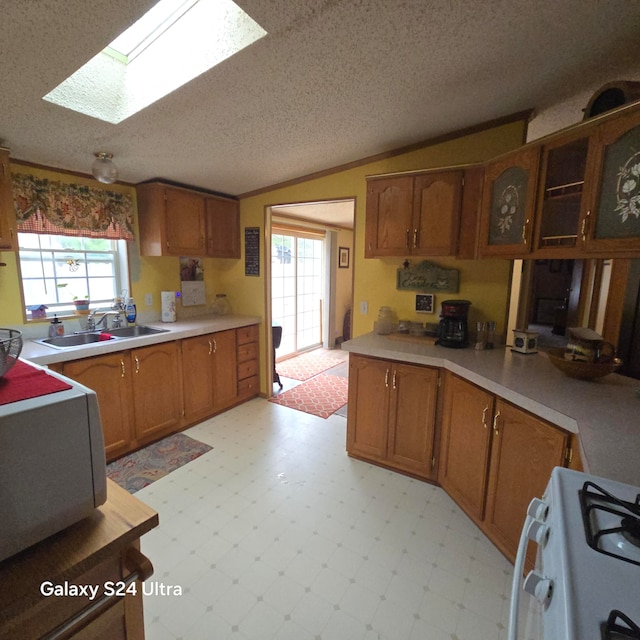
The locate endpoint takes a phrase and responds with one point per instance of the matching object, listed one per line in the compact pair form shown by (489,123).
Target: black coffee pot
(453,331)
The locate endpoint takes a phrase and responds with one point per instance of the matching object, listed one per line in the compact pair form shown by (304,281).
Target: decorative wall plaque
(427,276)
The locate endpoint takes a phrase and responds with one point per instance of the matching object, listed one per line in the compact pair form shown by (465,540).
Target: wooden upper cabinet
(175,221)
(563,195)
(416,214)
(508,201)
(613,222)
(8,235)
(389,216)
(223,228)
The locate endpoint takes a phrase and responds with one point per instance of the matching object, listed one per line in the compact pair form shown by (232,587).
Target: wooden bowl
(582,370)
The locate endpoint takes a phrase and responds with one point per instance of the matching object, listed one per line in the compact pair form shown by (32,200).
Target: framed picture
(343,257)
(424,302)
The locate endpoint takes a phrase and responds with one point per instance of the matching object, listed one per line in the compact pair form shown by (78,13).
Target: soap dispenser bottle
(130,311)
(56,328)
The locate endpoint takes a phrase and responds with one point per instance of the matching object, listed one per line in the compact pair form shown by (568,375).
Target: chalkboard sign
(252,251)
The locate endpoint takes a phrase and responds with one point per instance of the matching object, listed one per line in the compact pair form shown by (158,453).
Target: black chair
(276,333)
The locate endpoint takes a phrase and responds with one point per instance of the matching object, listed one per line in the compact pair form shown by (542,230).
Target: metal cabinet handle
(393,382)
(210,347)
(137,364)
(524,231)
(215,346)
(495,423)
(415,238)
(406,242)
(484,416)
(122,369)
(585,223)
(386,378)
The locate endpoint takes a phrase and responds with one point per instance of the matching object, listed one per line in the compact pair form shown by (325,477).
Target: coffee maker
(453,331)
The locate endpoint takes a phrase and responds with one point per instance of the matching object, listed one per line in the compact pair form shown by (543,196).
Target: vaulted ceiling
(334,81)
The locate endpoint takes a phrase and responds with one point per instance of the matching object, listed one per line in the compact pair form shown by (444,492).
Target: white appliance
(586,583)
(52,465)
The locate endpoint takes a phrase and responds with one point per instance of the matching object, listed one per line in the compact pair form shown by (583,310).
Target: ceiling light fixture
(103,168)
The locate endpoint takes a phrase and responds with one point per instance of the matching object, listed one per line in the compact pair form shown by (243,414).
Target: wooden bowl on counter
(580,369)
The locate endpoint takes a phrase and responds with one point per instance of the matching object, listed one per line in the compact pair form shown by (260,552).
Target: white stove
(587,576)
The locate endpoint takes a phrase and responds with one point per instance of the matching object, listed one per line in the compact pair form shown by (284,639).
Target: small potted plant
(82,305)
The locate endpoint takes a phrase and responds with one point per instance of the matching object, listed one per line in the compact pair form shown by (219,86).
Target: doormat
(321,396)
(307,365)
(138,469)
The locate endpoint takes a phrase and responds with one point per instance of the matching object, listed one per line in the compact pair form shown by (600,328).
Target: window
(56,269)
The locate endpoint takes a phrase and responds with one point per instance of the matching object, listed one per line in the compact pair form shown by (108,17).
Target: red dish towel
(24,381)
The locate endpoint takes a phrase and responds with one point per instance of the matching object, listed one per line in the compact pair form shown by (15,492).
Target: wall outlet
(148,299)
(364,307)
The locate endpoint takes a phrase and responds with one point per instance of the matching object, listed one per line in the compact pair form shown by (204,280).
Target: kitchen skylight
(174,42)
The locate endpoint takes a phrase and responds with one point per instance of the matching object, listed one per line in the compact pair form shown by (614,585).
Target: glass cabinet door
(508,204)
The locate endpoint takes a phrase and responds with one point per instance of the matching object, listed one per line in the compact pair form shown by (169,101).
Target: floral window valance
(50,206)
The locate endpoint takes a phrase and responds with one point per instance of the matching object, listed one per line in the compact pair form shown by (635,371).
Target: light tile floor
(276,534)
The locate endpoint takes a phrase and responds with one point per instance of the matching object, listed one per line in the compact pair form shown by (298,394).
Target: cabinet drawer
(249,387)
(247,351)
(247,334)
(247,369)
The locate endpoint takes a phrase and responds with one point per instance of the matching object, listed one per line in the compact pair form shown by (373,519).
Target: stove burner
(631,530)
(622,520)
(612,629)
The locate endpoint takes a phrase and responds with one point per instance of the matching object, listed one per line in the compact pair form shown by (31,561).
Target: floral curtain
(50,206)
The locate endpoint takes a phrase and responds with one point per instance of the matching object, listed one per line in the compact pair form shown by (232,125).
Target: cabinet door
(508,203)
(389,221)
(614,226)
(524,451)
(157,394)
(185,223)
(466,437)
(110,377)
(412,415)
(8,237)
(436,203)
(223,228)
(563,201)
(197,367)
(368,407)
(225,369)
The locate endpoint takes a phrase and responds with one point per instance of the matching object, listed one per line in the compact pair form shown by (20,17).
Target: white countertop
(604,412)
(42,354)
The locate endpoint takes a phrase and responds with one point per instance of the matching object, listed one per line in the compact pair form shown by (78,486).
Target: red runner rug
(307,365)
(321,396)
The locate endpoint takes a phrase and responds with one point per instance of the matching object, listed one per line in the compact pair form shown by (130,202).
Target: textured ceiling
(334,81)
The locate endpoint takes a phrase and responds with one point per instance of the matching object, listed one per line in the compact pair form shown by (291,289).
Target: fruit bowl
(580,369)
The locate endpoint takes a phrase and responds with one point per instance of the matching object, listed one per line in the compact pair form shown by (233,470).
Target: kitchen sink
(80,339)
(135,331)
(73,340)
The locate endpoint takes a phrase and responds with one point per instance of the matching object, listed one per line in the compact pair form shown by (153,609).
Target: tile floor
(276,534)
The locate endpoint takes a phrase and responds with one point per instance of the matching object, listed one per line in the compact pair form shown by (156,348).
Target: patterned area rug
(140,468)
(307,365)
(321,396)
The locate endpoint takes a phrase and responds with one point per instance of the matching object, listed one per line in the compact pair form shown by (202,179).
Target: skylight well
(174,42)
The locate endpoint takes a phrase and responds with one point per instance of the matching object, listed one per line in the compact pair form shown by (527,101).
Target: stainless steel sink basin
(135,331)
(74,340)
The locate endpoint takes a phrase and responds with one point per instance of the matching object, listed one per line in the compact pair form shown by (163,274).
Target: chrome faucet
(92,325)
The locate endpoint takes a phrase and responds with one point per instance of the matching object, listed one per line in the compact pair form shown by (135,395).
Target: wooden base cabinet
(495,458)
(392,413)
(139,394)
(248,359)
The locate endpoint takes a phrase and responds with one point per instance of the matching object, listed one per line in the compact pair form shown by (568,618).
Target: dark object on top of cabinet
(610,96)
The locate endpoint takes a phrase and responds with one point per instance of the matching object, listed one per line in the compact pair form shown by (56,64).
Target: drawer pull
(210,347)
(137,364)
(484,416)
(393,382)
(123,371)
(141,569)
(386,378)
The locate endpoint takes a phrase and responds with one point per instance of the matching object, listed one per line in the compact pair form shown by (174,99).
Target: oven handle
(518,569)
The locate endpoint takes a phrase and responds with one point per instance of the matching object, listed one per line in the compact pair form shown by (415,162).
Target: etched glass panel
(508,199)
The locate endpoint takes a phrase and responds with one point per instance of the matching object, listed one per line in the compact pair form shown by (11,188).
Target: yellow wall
(485,282)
